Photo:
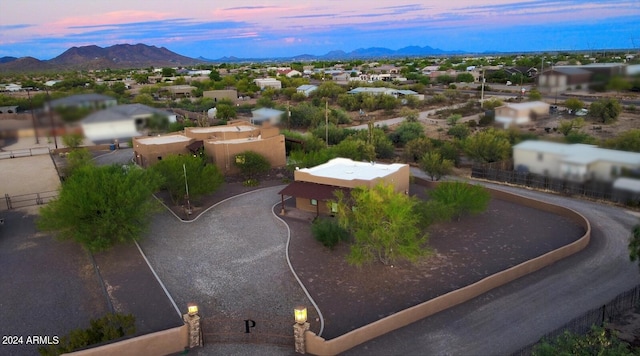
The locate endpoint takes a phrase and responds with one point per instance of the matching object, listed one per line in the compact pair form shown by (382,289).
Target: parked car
(582,112)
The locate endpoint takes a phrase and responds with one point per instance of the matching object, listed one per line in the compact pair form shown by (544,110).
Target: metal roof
(580,153)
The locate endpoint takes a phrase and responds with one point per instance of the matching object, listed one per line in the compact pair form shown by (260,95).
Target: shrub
(459,131)
(107,328)
(328,232)
(460,198)
(251,163)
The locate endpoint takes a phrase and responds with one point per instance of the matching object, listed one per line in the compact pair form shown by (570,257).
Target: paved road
(508,318)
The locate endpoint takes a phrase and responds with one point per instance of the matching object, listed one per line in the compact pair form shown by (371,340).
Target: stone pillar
(298,336)
(195,333)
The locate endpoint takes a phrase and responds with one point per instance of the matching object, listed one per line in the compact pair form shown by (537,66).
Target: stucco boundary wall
(318,346)
(166,342)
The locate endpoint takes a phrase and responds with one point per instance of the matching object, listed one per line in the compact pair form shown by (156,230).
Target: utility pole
(482,91)
(50,109)
(326,122)
(33,117)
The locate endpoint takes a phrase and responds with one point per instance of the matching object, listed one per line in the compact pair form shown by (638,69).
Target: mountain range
(123,56)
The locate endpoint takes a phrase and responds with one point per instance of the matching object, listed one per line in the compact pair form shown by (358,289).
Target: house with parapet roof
(222,145)
(313,188)
(520,114)
(120,123)
(573,162)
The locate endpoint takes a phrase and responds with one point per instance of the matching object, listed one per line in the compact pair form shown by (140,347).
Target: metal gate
(248,327)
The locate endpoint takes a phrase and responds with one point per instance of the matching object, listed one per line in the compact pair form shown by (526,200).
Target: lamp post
(300,328)
(192,319)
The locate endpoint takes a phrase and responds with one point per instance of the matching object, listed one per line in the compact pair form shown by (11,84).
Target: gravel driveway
(230,261)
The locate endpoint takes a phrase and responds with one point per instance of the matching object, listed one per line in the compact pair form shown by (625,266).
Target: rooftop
(344,168)
(223,128)
(580,153)
(162,140)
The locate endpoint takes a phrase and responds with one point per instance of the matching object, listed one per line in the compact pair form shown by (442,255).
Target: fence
(503,172)
(24,152)
(598,316)
(21,201)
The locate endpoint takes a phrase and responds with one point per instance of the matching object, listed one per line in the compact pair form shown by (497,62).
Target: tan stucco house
(221,144)
(520,113)
(314,187)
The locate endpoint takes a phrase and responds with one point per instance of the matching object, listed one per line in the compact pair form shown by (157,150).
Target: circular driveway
(231,261)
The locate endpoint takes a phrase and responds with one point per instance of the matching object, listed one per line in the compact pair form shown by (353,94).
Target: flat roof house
(314,187)
(520,113)
(573,162)
(221,144)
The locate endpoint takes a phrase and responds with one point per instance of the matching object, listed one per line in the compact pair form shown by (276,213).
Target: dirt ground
(462,252)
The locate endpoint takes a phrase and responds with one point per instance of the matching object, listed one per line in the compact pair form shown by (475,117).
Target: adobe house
(314,187)
(221,144)
(521,113)
(218,95)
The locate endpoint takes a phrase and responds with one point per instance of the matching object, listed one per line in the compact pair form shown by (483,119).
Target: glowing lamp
(300,314)
(192,309)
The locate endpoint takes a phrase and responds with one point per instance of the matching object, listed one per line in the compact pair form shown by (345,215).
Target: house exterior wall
(224,153)
(221,135)
(149,154)
(513,115)
(542,163)
(217,95)
(96,131)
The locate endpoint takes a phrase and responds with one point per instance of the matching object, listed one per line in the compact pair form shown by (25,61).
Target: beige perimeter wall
(319,346)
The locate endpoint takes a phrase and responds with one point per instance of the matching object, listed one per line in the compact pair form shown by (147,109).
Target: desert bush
(328,232)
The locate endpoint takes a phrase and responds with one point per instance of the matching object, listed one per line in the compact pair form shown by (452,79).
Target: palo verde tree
(487,146)
(382,223)
(605,110)
(251,164)
(101,206)
(459,198)
(435,165)
(201,178)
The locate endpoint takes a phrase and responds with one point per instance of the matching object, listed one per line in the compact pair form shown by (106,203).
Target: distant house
(262,115)
(306,89)
(263,83)
(564,78)
(12,87)
(179,91)
(120,122)
(386,91)
(520,113)
(84,101)
(216,95)
(574,162)
(314,187)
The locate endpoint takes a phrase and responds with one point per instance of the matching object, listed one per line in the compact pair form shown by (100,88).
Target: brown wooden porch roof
(316,191)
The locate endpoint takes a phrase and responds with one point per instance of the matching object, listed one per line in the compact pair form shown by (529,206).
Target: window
(314,202)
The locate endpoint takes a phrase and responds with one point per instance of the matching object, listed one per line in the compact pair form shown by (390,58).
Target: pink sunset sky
(271,28)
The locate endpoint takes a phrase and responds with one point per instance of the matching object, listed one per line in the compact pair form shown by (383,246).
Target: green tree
(465,78)
(626,141)
(453,119)
(409,114)
(406,132)
(109,327)
(158,123)
(574,104)
(634,244)
(487,146)
(382,223)
(355,149)
(215,75)
(73,140)
(225,110)
(328,232)
(534,95)
(492,103)
(597,342)
(251,164)
(460,198)
(168,72)
(459,131)
(605,110)
(565,127)
(201,178)
(101,206)
(433,164)
(77,158)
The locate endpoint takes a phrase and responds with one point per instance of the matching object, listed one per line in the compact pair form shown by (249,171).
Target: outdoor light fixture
(192,309)
(300,313)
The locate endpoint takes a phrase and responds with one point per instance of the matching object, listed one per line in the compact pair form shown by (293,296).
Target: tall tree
(605,110)
(488,146)
(101,206)
(201,178)
(434,165)
(382,223)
